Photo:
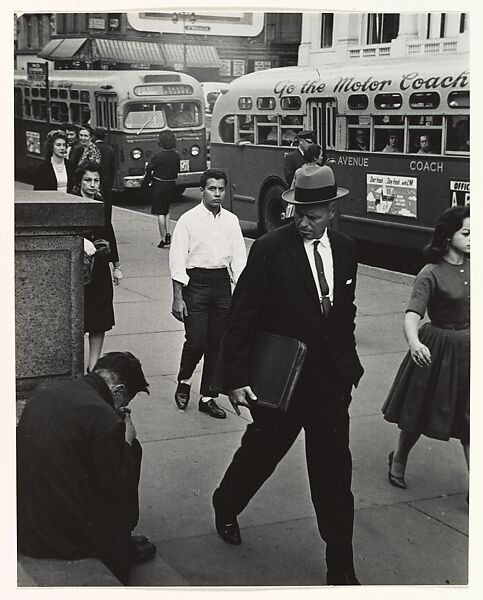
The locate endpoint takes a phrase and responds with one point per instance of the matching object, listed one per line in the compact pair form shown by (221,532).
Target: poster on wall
(32,139)
(392,195)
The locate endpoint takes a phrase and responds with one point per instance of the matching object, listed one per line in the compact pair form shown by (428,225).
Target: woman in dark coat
(431,392)
(55,172)
(163,169)
(98,294)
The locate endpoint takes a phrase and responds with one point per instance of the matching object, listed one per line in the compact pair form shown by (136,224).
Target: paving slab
(49,572)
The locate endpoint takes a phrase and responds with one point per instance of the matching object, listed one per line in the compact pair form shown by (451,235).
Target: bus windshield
(144,115)
(155,115)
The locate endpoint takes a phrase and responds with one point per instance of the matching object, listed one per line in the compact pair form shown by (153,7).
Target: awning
(62,49)
(196,55)
(124,51)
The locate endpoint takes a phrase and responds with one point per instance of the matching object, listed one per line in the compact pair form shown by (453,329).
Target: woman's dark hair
(312,153)
(85,128)
(88,165)
(167,140)
(52,136)
(447,225)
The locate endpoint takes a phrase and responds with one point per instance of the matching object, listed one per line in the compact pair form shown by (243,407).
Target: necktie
(324,287)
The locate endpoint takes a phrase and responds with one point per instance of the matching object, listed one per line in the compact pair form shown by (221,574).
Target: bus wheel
(272,215)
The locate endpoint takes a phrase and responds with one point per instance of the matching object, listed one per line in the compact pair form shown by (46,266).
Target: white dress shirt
(325,252)
(207,241)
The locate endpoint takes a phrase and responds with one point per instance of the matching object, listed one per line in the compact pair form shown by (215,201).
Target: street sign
(38,71)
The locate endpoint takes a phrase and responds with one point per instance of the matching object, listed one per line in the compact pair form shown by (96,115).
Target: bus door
(106,117)
(321,118)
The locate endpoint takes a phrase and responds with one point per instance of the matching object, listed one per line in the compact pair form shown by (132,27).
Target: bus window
(17,102)
(39,110)
(27,108)
(291,103)
(54,94)
(183,114)
(80,114)
(424,100)
(267,130)
(458,133)
(359,138)
(358,102)
(145,115)
(63,95)
(266,103)
(245,128)
(389,133)
(85,96)
(459,99)
(290,126)
(59,112)
(74,94)
(226,129)
(388,101)
(425,141)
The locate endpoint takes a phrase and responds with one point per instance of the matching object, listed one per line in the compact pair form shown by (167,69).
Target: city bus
(133,107)
(396,192)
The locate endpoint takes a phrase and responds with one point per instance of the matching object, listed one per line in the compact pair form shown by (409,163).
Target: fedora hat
(306,134)
(313,185)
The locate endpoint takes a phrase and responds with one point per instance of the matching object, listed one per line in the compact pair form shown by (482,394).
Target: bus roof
(435,71)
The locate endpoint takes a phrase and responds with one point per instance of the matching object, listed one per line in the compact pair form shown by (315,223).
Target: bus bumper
(184,179)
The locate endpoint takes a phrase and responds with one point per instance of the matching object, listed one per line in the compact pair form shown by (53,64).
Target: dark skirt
(163,194)
(98,297)
(434,400)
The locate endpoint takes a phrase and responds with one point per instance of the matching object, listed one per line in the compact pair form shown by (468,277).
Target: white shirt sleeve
(178,253)
(239,252)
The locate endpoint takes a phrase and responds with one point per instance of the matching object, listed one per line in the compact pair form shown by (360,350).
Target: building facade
(331,38)
(211,47)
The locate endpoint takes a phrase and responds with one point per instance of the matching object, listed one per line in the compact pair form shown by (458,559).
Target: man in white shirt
(206,257)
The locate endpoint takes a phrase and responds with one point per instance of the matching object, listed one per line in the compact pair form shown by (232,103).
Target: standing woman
(87,151)
(164,169)
(431,394)
(55,172)
(98,294)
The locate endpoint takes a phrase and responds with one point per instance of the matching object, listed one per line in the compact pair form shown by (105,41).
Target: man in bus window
(424,147)
(294,160)
(361,141)
(206,258)
(393,144)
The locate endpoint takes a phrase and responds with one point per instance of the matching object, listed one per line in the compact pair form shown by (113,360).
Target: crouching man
(78,467)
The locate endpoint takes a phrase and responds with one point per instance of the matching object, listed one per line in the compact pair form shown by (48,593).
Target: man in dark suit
(294,160)
(299,282)
(108,167)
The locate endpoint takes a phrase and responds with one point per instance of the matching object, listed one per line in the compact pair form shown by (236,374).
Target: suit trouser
(324,417)
(207,297)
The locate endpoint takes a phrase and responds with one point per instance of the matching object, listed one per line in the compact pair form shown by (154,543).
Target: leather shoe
(395,480)
(182,395)
(211,408)
(227,527)
(342,578)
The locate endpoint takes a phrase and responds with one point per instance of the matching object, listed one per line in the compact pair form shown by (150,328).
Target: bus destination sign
(38,72)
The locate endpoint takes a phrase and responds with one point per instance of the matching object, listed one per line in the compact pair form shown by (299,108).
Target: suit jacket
(108,164)
(277,293)
(45,178)
(291,163)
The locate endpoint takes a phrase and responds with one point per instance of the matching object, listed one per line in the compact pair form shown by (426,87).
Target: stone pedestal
(49,287)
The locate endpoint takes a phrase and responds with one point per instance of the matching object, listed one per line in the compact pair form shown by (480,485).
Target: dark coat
(277,293)
(291,163)
(45,178)
(77,478)
(108,165)
(76,153)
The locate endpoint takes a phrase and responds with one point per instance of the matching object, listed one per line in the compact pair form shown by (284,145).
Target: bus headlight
(195,150)
(136,153)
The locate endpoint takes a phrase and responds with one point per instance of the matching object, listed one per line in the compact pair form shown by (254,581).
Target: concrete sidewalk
(413,536)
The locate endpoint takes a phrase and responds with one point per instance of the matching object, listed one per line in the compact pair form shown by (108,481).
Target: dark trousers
(322,412)
(207,297)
